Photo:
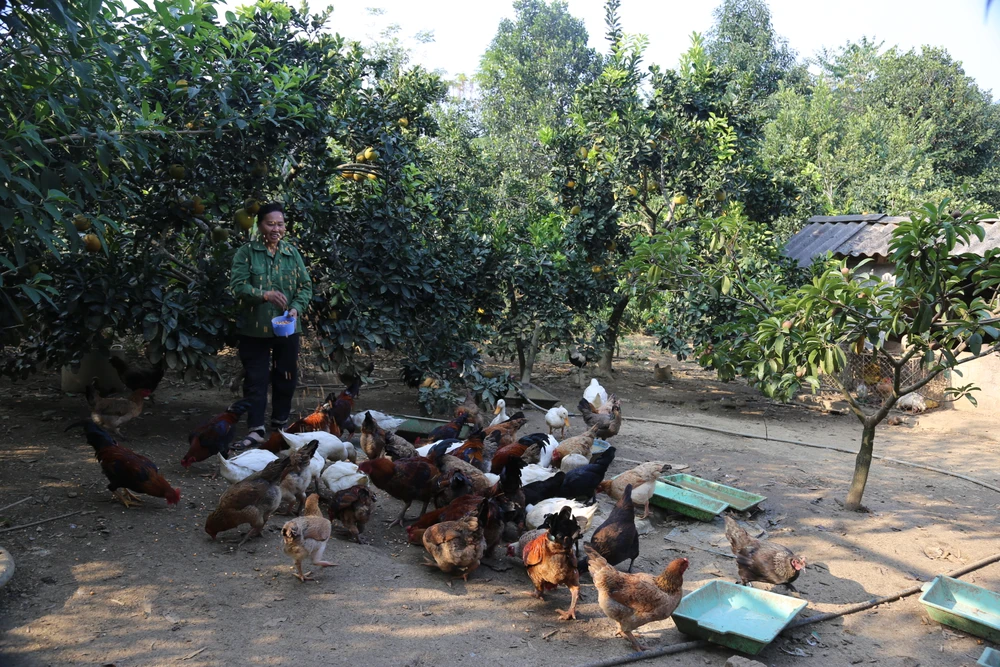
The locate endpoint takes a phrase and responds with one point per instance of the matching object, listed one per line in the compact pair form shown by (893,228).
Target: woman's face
(272,227)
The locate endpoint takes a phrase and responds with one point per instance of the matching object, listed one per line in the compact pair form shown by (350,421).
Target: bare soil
(147,586)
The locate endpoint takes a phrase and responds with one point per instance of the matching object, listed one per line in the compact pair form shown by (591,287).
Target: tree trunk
(611,337)
(527,365)
(518,343)
(861,466)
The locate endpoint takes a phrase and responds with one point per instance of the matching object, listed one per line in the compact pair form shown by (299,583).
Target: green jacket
(256,272)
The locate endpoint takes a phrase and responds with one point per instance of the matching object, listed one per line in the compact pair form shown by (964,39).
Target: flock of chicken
(534,494)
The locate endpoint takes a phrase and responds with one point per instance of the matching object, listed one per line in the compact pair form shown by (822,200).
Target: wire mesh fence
(869,376)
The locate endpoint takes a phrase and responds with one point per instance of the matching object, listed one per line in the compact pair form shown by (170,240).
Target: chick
(306,537)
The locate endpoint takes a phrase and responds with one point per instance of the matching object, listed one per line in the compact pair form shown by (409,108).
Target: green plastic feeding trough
(421,427)
(742,618)
(738,499)
(689,503)
(989,658)
(963,606)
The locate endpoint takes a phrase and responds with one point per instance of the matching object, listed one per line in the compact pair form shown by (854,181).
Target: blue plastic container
(742,618)
(283,325)
(964,606)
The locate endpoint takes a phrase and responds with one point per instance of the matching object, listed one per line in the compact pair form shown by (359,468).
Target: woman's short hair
(270,208)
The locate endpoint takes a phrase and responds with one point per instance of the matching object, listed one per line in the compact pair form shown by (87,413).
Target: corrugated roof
(863,236)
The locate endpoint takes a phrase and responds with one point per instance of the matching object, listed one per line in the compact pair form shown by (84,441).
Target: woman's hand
(293,313)
(276,298)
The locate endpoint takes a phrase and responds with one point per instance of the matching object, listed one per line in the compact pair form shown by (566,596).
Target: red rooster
(344,405)
(214,436)
(126,471)
(406,479)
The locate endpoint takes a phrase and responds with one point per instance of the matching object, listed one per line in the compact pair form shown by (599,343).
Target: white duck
(582,513)
(244,464)
(595,394)
(341,475)
(557,418)
(330,446)
(382,420)
(500,412)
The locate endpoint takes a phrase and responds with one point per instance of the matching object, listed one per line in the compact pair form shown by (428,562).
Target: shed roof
(863,236)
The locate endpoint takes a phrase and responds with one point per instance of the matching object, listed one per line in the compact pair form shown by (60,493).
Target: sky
(463,29)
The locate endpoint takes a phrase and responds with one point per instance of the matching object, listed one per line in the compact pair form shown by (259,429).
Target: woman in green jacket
(269,278)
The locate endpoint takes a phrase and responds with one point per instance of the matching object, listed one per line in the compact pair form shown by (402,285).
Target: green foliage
(884,131)
(265,105)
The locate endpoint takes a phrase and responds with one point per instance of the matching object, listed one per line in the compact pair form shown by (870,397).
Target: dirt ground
(147,586)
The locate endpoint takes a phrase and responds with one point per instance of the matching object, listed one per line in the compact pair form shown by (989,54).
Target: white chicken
(534,472)
(341,475)
(913,402)
(330,446)
(557,418)
(582,513)
(572,462)
(545,457)
(244,464)
(595,394)
(500,412)
(424,450)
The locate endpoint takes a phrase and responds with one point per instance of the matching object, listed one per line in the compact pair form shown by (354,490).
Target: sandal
(253,440)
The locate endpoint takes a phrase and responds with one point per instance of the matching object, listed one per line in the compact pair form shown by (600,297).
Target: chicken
(540,451)
(663,373)
(508,429)
(329,446)
(450,430)
(397,447)
(572,462)
(635,600)
(536,492)
(376,441)
(135,377)
(451,485)
(581,444)
(382,420)
(510,481)
(760,560)
(605,425)
(126,471)
(215,435)
(446,463)
(642,478)
(306,537)
(113,413)
(244,464)
(450,444)
(453,511)
(584,514)
(470,407)
(353,507)
(343,405)
(342,475)
(251,501)
(516,549)
(500,412)
(582,483)
(557,418)
(298,475)
(617,539)
(458,545)
(550,560)
(320,420)
(504,453)
(406,480)
(595,394)
(372,437)
(470,451)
